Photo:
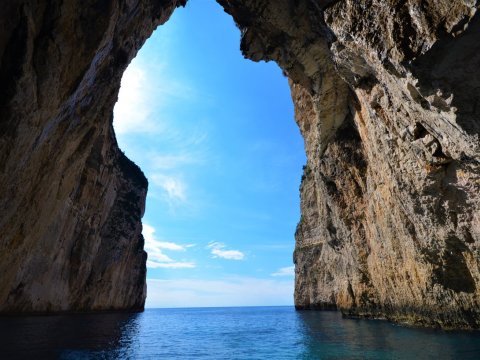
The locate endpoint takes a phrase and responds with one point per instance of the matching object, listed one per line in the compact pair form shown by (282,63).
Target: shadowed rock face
(71,202)
(387,97)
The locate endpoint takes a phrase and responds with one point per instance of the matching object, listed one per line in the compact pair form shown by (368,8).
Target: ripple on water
(226,333)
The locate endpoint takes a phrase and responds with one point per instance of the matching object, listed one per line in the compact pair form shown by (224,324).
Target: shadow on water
(79,336)
(328,336)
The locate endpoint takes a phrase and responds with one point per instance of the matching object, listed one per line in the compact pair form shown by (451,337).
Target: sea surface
(272,333)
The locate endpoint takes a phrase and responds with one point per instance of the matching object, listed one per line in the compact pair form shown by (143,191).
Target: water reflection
(225,333)
(328,336)
(66,336)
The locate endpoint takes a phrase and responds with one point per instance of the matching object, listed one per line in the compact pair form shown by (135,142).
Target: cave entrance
(215,136)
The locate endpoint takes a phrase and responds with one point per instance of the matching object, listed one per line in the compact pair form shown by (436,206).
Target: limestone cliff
(387,97)
(70,201)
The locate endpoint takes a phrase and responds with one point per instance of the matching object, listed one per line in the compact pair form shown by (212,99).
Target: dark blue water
(226,333)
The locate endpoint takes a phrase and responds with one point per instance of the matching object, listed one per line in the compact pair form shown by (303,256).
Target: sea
(272,333)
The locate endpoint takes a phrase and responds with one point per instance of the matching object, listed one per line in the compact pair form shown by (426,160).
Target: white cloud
(148,128)
(285,271)
(156,257)
(236,291)
(170,265)
(217,250)
(171,246)
(173,186)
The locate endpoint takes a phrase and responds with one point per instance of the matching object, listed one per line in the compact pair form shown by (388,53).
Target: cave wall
(386,96)
(70,201)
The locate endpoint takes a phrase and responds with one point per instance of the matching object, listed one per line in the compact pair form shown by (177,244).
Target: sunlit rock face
(387,97)
(70,201)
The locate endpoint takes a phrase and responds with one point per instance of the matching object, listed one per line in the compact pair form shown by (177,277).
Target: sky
(215,135)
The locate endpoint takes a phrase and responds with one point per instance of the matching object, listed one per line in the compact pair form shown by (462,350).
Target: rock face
(387,97)
(71,202)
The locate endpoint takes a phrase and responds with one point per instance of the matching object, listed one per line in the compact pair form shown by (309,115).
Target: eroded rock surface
(387,97)
(70,201)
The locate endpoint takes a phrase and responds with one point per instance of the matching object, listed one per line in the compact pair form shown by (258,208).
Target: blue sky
(215,135)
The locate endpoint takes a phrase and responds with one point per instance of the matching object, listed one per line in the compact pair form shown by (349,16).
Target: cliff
(387,97)
(71,202)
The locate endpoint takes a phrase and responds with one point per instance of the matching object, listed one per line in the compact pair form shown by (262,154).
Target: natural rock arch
(390,196)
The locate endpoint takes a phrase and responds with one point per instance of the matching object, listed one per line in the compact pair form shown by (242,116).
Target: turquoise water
(226,333)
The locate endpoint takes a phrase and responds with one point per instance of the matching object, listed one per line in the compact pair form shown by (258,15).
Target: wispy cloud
(142,98)
(235,291)
(285,271)
(173,160)
(156,257)
(171,265)
(219,250)
(173,187)
(156,129)
(172,168)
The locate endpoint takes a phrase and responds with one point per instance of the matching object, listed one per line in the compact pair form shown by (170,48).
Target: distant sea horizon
(215,307)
